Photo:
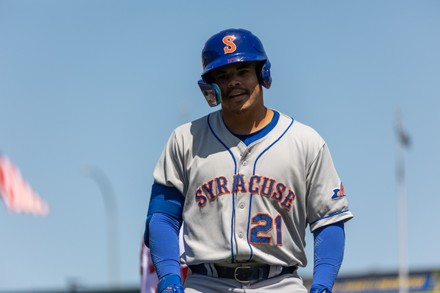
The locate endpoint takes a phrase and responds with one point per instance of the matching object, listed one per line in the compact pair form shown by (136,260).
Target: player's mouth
(237,93)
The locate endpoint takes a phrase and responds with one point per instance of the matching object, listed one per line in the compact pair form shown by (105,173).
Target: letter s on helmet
(232,46)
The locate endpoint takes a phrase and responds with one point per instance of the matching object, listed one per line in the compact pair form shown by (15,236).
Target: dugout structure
(427,281)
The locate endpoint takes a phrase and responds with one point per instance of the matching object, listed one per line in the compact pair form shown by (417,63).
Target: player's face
(240,88)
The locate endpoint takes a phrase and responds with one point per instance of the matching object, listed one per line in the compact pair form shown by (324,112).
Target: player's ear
(211,92)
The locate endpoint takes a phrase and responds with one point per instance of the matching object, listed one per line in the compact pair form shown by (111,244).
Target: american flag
(16,193)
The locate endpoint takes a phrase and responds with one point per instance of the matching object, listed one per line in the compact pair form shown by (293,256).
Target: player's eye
(221,77)
(243,71)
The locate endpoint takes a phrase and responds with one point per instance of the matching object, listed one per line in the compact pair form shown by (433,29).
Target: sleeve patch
(338,192)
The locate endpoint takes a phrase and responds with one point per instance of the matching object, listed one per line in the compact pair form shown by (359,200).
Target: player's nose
(233,81)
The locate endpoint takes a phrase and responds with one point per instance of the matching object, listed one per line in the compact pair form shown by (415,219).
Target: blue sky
(103,83)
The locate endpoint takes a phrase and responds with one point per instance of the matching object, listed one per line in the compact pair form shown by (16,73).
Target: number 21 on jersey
(262,226)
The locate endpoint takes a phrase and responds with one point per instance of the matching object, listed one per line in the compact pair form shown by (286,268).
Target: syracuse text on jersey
(256,184)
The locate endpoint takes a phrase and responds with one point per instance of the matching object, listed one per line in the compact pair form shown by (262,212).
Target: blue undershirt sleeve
(162,228)
(329,242)
(164,245)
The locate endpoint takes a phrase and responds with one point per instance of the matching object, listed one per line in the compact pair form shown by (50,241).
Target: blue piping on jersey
(253,173)
(259,156)
(250,138)
(329,216)
(233,195)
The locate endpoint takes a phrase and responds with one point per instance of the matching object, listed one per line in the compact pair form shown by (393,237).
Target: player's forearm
(164,254)
(329,253)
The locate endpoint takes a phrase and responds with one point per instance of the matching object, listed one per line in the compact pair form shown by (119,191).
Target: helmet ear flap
(211,92)
(266,79)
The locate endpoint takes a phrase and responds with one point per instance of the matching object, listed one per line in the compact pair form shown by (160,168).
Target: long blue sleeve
(164,244)
(329,242)
(162,229)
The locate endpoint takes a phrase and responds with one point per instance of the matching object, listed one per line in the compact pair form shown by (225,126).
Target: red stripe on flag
(16,193)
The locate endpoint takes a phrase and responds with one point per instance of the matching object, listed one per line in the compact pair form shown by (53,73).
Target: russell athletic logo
(230,45)
(338,193)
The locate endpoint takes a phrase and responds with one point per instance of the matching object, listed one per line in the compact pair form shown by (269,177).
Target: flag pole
(112,220)
(402,144)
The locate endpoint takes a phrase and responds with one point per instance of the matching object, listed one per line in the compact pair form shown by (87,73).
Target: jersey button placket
(242,212)
(244,154)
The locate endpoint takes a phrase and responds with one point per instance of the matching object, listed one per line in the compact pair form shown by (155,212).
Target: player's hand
(170,284)
(320,290)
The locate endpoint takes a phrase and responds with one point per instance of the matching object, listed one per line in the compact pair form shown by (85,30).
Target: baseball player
(246,180)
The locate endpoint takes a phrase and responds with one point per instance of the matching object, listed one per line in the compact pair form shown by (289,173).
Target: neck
(249,122)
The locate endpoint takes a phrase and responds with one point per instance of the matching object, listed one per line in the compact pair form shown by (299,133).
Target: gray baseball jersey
(251,203)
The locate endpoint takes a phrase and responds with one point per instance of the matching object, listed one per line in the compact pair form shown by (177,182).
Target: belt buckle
(236,277)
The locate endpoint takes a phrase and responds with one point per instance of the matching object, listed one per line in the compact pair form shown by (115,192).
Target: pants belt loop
(211,270)
(275,271)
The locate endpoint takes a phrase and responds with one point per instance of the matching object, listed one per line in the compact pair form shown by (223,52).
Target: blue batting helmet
(232,46)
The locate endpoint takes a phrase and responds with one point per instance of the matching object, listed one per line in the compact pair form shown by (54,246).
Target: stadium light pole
(109,197)
(402,144)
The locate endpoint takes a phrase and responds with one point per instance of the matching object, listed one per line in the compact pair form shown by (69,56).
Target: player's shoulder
(301,130)
(194,127)
(306,130)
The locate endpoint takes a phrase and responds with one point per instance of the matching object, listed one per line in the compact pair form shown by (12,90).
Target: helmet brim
(231,59)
